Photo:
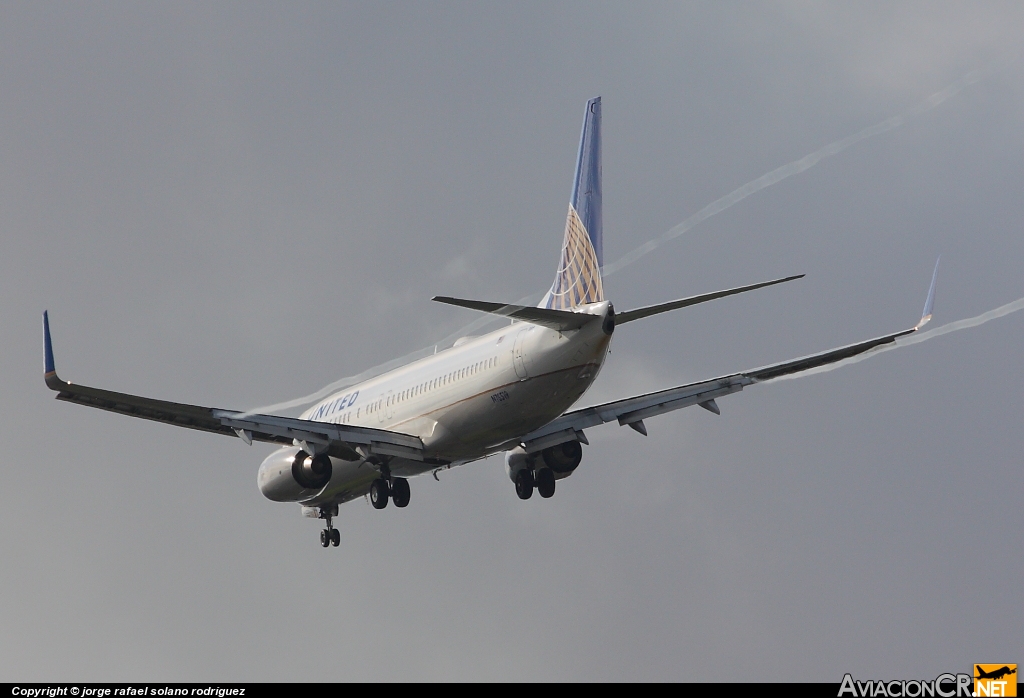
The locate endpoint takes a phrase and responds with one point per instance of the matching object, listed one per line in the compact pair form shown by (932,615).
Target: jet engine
(292,475)
(562,459)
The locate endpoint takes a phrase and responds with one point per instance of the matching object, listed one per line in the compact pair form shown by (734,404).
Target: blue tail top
(586,186)
(578,280)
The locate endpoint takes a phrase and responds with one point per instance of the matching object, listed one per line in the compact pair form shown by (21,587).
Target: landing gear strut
(543,480)
(330,535)
(397,489)
(388,487)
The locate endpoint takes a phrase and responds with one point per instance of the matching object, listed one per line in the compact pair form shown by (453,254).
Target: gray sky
(233,205)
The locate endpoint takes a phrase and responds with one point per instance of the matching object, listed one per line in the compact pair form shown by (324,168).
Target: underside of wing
(633,410)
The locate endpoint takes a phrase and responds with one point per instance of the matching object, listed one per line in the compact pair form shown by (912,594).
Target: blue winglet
(926,315)
(47,346)
(50,375)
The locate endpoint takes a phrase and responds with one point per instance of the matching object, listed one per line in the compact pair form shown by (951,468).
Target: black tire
(524,484)
(335,537)
(400,492)
(379,493)
(545,483)
(324,538)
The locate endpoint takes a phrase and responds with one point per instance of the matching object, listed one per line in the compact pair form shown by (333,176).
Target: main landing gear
(330,535)
(543,481)
(397,489)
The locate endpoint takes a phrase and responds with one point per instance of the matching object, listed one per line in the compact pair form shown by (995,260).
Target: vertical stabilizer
(578,280)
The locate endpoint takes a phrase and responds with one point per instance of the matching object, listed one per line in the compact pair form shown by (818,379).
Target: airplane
(995,674)
(510,390)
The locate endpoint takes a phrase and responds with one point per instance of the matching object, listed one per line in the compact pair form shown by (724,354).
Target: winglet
(926,314)
(49,371)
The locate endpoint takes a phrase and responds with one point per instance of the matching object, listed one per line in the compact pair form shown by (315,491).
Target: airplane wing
(633,410)
(336,439)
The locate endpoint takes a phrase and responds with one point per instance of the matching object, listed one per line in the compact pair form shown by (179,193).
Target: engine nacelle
(518,459)
(562,459)
(292,475)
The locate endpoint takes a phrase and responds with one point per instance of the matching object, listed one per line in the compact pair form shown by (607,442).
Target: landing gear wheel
(524,484)
(379,492)
(545,482)
(325,538)
(400,492)
(335,537)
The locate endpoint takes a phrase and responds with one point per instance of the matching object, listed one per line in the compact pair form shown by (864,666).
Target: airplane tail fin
(578,280)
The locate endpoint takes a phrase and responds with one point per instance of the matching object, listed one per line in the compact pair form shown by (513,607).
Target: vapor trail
(915,338)
(788,170)
(715,207)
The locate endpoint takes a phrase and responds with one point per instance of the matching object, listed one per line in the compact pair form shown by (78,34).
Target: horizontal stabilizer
(630,315)
(560,320)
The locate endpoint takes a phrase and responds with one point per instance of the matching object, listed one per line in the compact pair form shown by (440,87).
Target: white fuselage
(464,403)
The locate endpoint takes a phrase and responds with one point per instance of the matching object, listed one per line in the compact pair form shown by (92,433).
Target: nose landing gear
(330,535)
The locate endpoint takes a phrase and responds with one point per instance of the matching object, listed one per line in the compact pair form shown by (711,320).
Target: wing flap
(634,409)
